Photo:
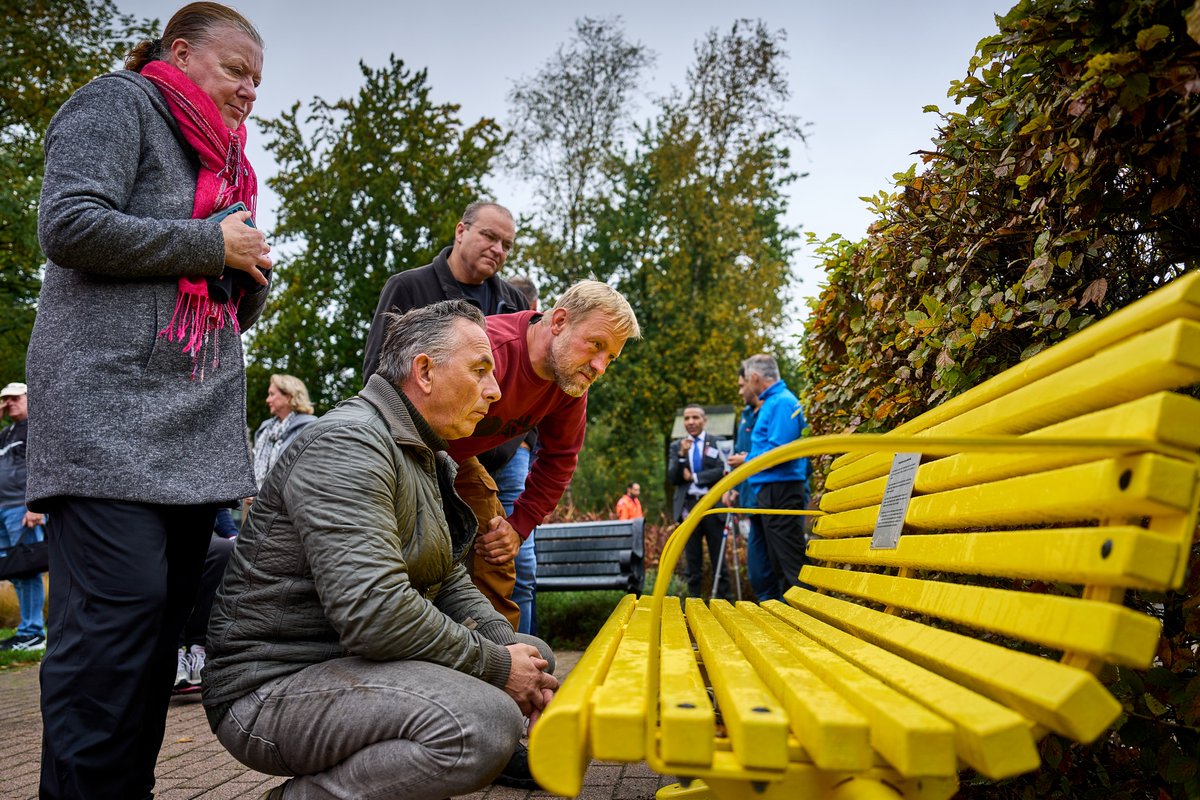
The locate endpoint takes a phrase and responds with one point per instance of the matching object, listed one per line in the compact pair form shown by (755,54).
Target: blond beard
(570,383)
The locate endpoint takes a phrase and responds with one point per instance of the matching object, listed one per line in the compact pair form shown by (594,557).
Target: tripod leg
(731,525)
(719,563)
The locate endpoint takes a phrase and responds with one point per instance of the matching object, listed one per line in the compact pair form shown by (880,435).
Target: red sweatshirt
(526,402)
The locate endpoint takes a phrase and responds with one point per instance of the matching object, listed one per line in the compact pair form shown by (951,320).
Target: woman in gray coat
(137,381)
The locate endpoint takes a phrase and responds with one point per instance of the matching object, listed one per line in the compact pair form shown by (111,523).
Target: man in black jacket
(694,464)
(467,270)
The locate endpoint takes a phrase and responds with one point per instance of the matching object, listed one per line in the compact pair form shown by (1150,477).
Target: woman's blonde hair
(295,391)
(195,22)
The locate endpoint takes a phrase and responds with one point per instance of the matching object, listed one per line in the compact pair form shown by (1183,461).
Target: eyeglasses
(493,238)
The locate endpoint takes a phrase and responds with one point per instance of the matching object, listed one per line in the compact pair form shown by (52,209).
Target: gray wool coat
(114,412)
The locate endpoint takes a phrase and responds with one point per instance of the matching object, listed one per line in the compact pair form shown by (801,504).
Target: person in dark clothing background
(17,523)
(694,464)
(466,270)
(192,650)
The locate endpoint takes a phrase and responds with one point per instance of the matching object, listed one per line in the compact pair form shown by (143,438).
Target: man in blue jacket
(784,486)
(763,579)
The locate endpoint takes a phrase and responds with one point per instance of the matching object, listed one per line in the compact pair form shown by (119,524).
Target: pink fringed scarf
(225,178)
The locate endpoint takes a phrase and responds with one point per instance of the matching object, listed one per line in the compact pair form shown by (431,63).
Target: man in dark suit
(694,465)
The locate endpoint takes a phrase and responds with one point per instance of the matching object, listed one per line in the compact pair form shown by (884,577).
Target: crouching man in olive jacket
(348,646)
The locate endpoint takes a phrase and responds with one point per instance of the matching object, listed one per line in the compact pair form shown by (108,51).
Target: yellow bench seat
(1041,497)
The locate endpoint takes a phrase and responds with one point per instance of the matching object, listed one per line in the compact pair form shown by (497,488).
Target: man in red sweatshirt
(544,365)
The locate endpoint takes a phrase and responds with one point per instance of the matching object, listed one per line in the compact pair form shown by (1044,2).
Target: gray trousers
(353,728)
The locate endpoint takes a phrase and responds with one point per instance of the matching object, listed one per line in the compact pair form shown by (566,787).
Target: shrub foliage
(1065,188)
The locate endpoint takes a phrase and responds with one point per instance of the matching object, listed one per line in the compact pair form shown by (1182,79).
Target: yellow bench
(1042,495)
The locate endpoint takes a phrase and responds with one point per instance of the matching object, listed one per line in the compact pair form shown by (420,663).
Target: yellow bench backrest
(1043,495)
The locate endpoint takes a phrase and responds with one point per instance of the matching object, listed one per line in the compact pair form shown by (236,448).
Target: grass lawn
(570,620)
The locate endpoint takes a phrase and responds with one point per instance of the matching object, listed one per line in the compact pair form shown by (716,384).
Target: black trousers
(710,530)
(123,578)
(195,630)
(784,535)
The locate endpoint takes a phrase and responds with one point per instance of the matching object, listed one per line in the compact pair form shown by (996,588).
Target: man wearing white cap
(17,523)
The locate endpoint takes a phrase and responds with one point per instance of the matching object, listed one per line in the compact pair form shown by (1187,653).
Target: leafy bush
(1065,190)
(570,620)
(1068,187)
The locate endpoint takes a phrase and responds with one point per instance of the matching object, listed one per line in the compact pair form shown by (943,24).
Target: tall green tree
(368,186)
(567,120)
(692,233)
(47,51)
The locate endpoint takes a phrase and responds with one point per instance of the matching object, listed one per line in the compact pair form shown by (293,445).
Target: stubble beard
(571,385)
(567,379)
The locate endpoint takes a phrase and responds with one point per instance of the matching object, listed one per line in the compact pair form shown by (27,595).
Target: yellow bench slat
(1106,630)
(1065,699)
(1164,358)
(729,780)
(832,732)
(1164,416)
(803,781)
(558,751)
(992,738)
(1113,556)
(1179,299)
(1127,487)
(685,712)
(754,720)
(913,739)
(621,703)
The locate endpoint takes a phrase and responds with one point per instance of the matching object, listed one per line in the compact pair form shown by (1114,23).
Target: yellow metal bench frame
(675,736)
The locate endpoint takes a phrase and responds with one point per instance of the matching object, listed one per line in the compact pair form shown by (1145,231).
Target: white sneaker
(195,658)
(181,669)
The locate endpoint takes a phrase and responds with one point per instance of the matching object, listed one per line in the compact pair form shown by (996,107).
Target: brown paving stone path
(193,764)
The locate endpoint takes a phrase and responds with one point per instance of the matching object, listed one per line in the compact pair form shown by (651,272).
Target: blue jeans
(510,480)
(31,592)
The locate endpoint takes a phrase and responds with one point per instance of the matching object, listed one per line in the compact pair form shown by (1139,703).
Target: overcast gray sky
(861,71)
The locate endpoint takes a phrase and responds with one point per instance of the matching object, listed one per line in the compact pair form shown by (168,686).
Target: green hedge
(1067,187)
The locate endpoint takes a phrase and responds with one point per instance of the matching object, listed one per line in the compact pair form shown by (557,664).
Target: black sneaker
(6,644)
(516,772)
(29,642)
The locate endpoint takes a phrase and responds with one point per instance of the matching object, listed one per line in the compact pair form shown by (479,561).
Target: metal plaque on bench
(896,495)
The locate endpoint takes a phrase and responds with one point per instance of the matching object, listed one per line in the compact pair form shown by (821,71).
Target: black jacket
(424,286)
(712,469)
(13,476)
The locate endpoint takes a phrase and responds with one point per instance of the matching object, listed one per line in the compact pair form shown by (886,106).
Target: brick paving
(193,764)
